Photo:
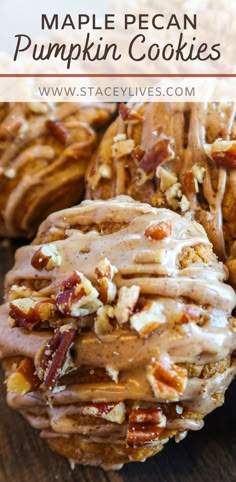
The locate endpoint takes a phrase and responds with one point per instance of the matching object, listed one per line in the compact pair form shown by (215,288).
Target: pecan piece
(159,153)
(114,412)
(24,379)
(77,296)
(55,355)
(137,154)
(158,231)
(105,269)
(167,380)
(128,115)
(29,312)
(17,292)
(198,172)
(107,290)
(145,426)
(127,300)
(148,319)
(105,272)
(190,183)
(46,257)
(223,153)
(167,178)
(102,323)
(122,148)
(225,159)
(58,130)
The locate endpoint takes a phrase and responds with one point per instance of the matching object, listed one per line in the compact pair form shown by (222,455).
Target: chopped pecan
(128,115)
(102,323)
(166,177)
(122,148)
(107,290)
(113,373)
(105,171)
(198,172)
(105,272)
(114,412)
(54,359)
(46,257)
(173,195)
(22,314)
(138,154)
(58,130)
(184,204)
(225,159)
(223,153)
(127,300)
(190,183)
(158,231)
(151,415)
(105,269)
(148,319)
(145,426)
(77,296)
(167,380)
(159,153)
(24,379)
(29,312)
(119,137)
(16,292)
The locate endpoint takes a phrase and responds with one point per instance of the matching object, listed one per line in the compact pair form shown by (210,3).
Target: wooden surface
(205,456)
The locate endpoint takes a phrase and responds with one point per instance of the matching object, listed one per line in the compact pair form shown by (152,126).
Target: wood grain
(205,456)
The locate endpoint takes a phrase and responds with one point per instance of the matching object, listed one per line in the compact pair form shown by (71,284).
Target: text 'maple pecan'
(167,380)
(145,426)
(58,130)
(158,231)
(24,379)
(55,355)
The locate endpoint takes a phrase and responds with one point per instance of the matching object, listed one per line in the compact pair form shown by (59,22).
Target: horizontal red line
(118,75)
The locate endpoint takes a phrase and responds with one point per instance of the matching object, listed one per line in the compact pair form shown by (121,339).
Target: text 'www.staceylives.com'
(115,92)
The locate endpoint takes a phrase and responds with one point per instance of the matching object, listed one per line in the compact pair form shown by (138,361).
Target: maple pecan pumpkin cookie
(116,333)
(44,151)
(174,155)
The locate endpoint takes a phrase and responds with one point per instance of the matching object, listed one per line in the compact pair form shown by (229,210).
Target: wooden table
(205,456)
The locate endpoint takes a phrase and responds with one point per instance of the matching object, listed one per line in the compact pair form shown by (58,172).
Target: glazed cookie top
(115,300)
(156,249)
(176,155)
